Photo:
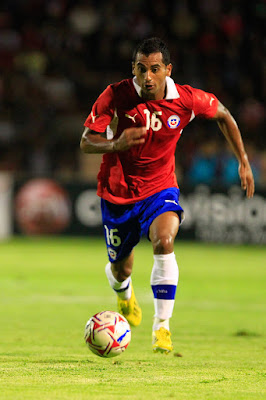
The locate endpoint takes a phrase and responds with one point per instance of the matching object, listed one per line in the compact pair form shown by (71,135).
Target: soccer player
(136,124)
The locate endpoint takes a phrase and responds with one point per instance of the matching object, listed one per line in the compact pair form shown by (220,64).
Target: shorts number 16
(111,238)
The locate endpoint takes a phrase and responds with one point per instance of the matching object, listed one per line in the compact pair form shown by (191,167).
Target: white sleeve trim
(112,128)
(192,116)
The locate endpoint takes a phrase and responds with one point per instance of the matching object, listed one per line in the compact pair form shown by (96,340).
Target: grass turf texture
(50,287)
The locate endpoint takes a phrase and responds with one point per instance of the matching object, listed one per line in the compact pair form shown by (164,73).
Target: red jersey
(130,176)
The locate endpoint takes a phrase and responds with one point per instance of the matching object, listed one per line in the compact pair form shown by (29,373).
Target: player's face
(151,72)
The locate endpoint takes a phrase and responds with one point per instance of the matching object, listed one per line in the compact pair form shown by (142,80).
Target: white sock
(160,323)
(164,279)
(122,289)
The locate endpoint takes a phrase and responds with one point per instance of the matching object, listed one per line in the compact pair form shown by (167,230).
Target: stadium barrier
(46,206)
(6,224)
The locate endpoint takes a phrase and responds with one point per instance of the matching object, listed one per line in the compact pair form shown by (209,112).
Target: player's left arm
(229,128)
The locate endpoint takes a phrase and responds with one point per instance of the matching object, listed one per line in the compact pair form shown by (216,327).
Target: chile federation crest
(173,121)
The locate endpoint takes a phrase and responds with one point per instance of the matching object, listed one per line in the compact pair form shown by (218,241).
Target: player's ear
(169,68)
(133,68)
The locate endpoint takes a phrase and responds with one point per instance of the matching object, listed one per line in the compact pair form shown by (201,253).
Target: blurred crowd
(56,57)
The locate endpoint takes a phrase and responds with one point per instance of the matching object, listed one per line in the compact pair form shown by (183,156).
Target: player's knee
(163,245)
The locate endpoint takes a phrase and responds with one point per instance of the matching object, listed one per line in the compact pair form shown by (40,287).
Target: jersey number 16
(152,121)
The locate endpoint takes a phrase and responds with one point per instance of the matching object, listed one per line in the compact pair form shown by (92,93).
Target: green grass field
(50,287)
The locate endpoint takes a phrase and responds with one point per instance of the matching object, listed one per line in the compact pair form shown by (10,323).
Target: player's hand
(130,137)
(246,177)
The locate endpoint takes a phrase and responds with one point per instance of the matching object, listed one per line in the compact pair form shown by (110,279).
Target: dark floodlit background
(56,56)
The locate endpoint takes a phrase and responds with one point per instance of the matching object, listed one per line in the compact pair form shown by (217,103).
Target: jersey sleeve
(204,104)
(102,111)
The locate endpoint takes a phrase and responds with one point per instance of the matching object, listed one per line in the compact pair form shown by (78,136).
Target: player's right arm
(103,111)
(93,142)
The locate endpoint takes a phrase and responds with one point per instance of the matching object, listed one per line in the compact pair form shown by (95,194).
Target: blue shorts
(125,224)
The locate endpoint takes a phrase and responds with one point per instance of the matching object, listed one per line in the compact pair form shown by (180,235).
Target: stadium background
(57,56)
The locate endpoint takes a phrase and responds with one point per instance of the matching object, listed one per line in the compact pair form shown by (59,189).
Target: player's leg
(122,233)
(164,277)
(119,276)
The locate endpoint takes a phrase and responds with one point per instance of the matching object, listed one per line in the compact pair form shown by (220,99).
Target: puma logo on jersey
(93,117)
(212,99)
(130,117)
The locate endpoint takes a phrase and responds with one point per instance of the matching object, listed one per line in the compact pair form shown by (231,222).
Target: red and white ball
(107,334)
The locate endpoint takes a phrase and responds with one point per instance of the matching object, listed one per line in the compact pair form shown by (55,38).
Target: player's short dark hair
(153,45)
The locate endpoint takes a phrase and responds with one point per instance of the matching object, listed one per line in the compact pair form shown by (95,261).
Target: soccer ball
(107,334)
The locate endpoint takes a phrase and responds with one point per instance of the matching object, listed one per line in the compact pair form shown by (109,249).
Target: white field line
(145,298)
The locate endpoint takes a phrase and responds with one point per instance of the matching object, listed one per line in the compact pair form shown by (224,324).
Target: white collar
(171,91)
